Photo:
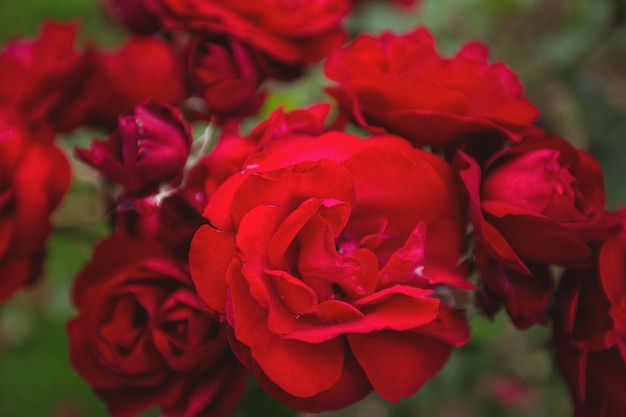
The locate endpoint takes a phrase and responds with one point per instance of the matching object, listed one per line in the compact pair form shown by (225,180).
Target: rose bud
(33,179)
(335,261)
(400,84)
(142,338)
(222,72)
(149,149)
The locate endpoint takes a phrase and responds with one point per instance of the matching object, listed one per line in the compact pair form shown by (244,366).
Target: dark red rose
(133,14)
(43,79)
(149,149)
(142,338)
(399,84)
(590,332)
(328,256)
(33,178)
(222,73)
(143,68)
(287,33)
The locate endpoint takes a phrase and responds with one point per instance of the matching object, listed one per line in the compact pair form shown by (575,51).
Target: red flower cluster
(299,252)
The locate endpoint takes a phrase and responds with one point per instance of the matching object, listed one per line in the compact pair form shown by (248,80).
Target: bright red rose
(43,79)
(590,332)
(329,256)
(143,68)
(149,149)
(142,338)
(222,73)
(286,32)
(33,178)
(399,84)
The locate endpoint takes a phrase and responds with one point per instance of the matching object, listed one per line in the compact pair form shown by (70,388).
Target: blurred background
(570,55)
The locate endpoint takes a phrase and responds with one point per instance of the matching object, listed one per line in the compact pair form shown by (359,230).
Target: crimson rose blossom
(285,32)
(537,203)
(401,85)
(142,338)
(590,332)
(327,256)
(149,149)
(33,178)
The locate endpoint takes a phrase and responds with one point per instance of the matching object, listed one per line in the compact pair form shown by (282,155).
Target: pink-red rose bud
(149,149)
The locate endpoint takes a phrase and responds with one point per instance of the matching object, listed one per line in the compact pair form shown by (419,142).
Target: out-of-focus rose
(590,332)
(149,149)
(133,14)
(143,68)
(288,33)
(33,178)
(329,256)
(222,72)
(142,339)
(401,85)
(43,79)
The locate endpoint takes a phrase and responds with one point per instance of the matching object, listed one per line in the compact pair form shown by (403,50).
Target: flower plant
(326,253)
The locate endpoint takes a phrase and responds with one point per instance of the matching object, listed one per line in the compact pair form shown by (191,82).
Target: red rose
(33,178)
(142,338)
(327,255)
(401,85)
(289,33)
(590,332)
(537,203)
(43,79)
(143,68)
(222,72)
(149,149)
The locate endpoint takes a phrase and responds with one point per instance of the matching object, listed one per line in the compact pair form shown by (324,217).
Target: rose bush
(328,256)
(142,338)
(399,84)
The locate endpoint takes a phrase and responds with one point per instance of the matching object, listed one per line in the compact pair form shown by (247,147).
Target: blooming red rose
(43,79)
(33,178)
(401,85)
(222,72)
(143,68)
(328,257)
(590,332)
(142,338)
(149,149)
(286,32)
